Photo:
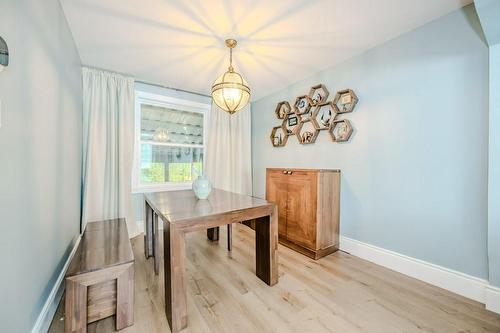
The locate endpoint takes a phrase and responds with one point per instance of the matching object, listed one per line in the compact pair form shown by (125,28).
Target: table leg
(266,248)
(213,234)
(148,230)
(174,260)
(156,244)
(229,237)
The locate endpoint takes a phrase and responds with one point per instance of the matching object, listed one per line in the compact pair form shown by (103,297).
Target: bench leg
(125,298)
(75,307)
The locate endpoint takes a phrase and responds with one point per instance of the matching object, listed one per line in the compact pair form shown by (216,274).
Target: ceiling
(180,43)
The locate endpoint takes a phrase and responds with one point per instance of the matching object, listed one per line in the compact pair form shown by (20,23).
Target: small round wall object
(4,54)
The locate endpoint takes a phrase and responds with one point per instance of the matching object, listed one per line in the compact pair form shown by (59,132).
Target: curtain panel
(108,147)
(228,157)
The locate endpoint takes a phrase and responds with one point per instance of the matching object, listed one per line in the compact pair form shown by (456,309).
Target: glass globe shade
(161,135)
(231,92)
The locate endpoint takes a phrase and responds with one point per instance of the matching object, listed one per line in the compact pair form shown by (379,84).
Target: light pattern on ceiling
(180,43)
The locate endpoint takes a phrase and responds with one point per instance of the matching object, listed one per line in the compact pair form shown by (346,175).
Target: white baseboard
(44,319)
(137,231)
(456,282)
(493,299)
(140,226)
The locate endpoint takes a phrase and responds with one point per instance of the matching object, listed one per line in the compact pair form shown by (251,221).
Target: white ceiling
(181,43)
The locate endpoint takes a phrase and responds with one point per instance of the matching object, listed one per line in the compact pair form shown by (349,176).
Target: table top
(104,244)
(181,206)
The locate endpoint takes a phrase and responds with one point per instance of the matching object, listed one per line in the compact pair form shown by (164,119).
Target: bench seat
(100,277)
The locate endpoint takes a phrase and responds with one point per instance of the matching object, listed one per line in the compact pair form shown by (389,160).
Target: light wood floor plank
(339,293)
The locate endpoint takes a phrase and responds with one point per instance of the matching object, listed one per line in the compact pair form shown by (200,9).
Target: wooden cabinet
(308,208)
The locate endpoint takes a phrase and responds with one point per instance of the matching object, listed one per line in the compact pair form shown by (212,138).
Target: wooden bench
(100,278)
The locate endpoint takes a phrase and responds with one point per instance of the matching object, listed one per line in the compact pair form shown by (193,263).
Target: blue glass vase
(202,187)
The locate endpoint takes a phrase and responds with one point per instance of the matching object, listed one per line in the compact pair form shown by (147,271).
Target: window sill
(162,188)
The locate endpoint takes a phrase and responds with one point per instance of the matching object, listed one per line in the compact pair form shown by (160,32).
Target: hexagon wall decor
(302,106)
(307,132)
(291,123)
(283,109)
(313,113)
(323,115)
(278,136)
(345,100)
(318,94)
(340,130)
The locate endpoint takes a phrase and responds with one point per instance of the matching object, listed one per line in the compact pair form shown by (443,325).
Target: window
(170,142)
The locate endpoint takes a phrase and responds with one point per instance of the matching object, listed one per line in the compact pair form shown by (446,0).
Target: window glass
(170,142)
(160,164)
(166,125)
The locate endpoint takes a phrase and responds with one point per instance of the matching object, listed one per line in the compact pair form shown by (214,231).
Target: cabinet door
(301,209)
(276,191)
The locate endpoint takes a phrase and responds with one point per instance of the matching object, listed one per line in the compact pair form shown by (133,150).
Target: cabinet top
(308,170)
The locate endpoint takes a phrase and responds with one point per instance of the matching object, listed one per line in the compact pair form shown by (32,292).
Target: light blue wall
(489,15)
(40,156)
(494,168)
(414,175)
(138,198)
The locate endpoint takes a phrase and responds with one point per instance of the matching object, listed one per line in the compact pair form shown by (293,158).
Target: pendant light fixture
(230,91)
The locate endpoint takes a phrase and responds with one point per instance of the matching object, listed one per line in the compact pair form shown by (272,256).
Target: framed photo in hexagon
(323,115)
(283,109)
(291,123)
(307,132)
(345,100)
(302,106)
(278,136)
(318,94)
(340,130)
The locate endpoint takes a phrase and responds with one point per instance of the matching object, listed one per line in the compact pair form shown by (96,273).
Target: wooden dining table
(181,212)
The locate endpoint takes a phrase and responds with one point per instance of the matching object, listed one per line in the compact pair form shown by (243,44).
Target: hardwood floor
(338,293)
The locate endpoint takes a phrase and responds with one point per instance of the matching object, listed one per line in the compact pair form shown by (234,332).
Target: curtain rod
(176,89)
(148,83)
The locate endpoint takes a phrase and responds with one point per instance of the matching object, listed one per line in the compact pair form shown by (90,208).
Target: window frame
(158,100)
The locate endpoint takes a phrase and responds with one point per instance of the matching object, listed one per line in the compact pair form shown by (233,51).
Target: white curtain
(228,158)
(108,147)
